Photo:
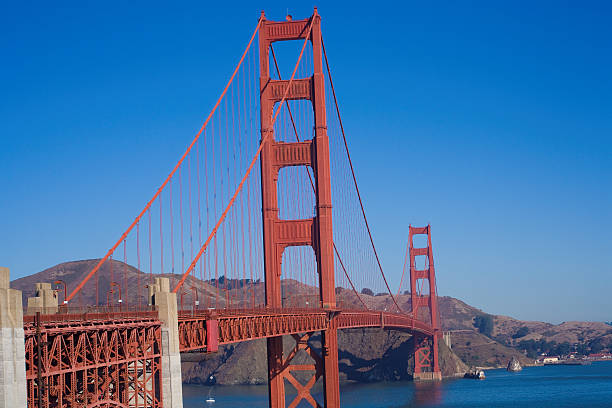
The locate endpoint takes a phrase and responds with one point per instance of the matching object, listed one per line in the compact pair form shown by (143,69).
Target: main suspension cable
(297,137)
(159,190)
(331,82)
(253,161)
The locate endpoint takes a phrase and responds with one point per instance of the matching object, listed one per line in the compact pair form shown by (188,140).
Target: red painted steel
(212,335)
(297,138)
(63,283)
(316,232)
(236,325)
(76,315)
(286,369)
(112,360)
(426,349)
(83,348)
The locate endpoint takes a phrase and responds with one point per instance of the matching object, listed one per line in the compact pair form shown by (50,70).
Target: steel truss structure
(425,348)
(205,331)
(278,234)
(96,360)
(286,370)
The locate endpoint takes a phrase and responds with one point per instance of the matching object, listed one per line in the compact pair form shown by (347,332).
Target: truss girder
(243,325)
(114,362)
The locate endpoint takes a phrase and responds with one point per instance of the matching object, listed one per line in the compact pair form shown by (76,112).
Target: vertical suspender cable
(171,234)
(253,161)
(125,281)
(403,268)
(138,260)
(297,137)
(181,218)
(127,231)
(355,179)
(161,237)
(150,251)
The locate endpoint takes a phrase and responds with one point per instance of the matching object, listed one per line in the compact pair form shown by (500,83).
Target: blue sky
(492,121)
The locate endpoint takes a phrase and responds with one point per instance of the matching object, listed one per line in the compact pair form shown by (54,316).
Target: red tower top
(317,231)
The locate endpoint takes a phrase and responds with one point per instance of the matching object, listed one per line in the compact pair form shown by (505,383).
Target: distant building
(446,336)
(595,356)
(548,359)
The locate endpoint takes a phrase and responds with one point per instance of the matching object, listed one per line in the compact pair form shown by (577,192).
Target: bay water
(540,387)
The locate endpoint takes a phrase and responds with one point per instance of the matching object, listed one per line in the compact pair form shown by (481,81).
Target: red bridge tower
(425,349)
(317,232)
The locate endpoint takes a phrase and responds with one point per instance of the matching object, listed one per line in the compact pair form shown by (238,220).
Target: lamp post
(148,297)
(194,295)
(61,282)
(119,286)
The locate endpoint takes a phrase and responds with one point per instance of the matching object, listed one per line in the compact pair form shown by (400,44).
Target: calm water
(549,386)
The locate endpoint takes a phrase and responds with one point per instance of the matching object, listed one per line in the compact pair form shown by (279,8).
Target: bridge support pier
(172,385)
(428,376)
(276,379)
(326,365)
(331,390)
(426,367)
(13,390)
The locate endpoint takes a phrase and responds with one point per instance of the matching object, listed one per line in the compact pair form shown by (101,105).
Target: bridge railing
(257,311)
(90,313)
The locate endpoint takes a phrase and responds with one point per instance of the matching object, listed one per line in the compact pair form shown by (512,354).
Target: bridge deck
(232,325)
(243,325)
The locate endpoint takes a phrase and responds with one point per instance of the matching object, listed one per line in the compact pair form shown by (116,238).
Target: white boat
(210,400)
(475,374)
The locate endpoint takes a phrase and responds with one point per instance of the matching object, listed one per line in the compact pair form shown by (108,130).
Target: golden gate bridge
(240,242)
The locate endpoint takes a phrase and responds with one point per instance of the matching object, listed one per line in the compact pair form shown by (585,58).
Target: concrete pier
(45,300)
(165,301)
(428,376)
(13,391)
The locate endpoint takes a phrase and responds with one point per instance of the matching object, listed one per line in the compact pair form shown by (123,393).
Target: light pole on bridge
(61,282)
(194,294)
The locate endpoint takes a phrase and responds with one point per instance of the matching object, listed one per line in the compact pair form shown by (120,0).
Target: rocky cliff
(365,355)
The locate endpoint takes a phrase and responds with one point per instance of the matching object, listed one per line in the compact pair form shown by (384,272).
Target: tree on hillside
(596,346)
(484,324)
(367,291)
(521,332)
(562,349)
(582,349)
(536,347)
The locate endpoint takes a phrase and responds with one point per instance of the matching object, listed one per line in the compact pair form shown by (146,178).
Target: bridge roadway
(76,356)
(234,326)
(198,330)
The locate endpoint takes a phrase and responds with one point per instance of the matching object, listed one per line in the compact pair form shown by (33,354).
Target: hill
(365,355)
(478,338)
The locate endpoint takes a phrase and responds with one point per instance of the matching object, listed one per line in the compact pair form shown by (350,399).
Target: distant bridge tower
(317,232)
(426,365)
